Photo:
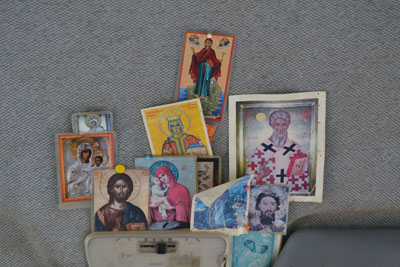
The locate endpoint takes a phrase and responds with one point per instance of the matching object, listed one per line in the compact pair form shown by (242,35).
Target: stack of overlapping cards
(276,145)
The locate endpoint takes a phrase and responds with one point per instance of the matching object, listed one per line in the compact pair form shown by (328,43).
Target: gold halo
(137,187)
(92,115)
(79,141)
(261,117)
(163,122)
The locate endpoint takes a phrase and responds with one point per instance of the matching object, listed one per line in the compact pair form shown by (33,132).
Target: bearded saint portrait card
(177,129)
(172,184)
(269,205)
(281,140)
(205,69)
(78,156)
(120,200)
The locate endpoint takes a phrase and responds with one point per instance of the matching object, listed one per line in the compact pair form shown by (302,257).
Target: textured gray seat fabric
(58,57)
(344,248)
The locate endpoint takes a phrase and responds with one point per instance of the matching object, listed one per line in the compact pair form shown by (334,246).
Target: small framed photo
(269,206)
(120,200)
(205,68)
(177,129)
(92,122)
(172,184)
(78,156)
(281,140)
(208,172)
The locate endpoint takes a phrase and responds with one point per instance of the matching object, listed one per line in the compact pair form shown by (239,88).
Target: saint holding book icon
(278,159)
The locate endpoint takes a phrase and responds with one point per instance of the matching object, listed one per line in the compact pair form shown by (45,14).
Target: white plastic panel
(187,249)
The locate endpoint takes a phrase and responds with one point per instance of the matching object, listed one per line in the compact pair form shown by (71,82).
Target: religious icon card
(172,184)
(120,200)
(280,139)
(205,69)
(92,122)
(208,172)
(269,205)
(255,249)
(223,208)
(177,129)
(78,155)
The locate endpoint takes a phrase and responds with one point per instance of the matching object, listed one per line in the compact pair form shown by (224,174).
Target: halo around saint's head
(79,141)
(163,163)
(173,115)
(92,118)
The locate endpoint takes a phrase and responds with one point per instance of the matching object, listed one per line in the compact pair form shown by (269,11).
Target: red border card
(211,94)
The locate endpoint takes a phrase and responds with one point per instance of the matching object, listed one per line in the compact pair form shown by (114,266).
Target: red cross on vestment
(271,179)
(293,180)
(261,162)
(259,153)
(296,187)
(252,166)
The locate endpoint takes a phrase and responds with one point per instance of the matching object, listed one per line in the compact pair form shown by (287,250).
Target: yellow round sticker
(120,168)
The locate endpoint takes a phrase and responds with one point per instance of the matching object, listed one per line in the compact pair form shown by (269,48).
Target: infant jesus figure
(158,198)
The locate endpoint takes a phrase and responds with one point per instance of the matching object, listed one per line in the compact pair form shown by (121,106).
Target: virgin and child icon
(170,201)
(79,155)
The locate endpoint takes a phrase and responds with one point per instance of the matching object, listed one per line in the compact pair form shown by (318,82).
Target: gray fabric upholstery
(59,57)
(344,248)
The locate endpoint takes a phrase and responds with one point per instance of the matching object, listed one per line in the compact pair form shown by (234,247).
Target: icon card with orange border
(78,155)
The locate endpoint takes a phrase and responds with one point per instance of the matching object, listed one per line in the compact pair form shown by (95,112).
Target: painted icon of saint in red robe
(205,69)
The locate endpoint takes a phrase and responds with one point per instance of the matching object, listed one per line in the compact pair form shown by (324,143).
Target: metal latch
(157,247)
